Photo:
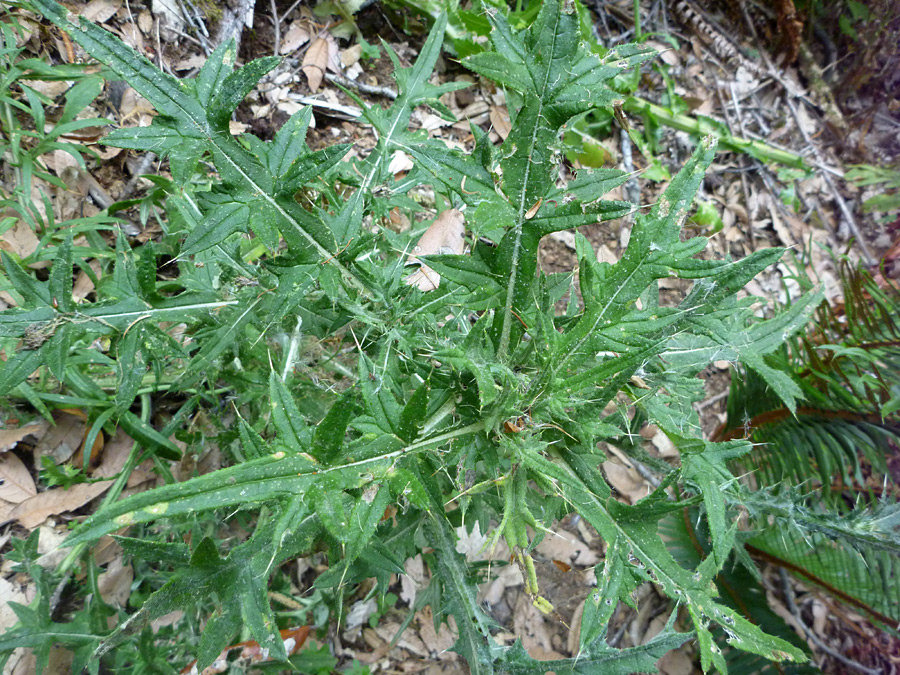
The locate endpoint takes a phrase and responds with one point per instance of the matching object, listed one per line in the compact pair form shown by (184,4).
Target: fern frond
(826,504)
(848,367)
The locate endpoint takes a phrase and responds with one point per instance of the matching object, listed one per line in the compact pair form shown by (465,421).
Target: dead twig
(331,109)
(371,89)
(712,400)
(632,188)
(842,204)
(276,26)
(791,93)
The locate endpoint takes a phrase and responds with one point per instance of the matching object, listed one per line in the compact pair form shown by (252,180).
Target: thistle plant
(477,393)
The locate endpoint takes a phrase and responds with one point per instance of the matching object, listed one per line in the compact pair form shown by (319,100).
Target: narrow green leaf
(234,88)
(286,417)
(413,414)
(328,438)
(149,437)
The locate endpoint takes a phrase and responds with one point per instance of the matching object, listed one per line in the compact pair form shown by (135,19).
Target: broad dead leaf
(568,548)
(145,22)
(33,511)
(100,11)
(531,625)
(626,481)
(446,235)
(131,36)
(166,620)
(192,61)
(169,15)
(63,439)
(21,662)
(297,35)
(16,483)
(414,579)
(12,592)
(10,437)
(440,641)
(350,56)
(315,61)
(115,583)
(83,284)
(19,239)
(500,120)
(400,162)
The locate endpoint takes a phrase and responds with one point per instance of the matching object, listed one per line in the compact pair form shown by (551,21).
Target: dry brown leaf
(60,661)
(350,56)
(778,224)
(19,239)
(500,120)
(413,580)
(531,626)
(400,162)
(106,550)
(626,481)
(606,255)
(32,512)
(567,547)
(100,11)
(10,437)
(166,620)
(236,128)
(115,583)
(16,483)
(398,221)
(145,21)
(664,445)
(131,36)
(315,61)
(566,237)
(334,54)
(63,439)
(12,592)
(297,35)
(5,509)
(677,662)
(385,632)
(21,662)
(50,545)
(83,284)
(445,235)
(190,62)
(441,641)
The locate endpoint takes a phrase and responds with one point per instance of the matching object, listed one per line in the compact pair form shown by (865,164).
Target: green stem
(637,20)
(758,149)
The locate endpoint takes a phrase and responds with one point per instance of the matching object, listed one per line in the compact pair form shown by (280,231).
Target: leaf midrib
(520,218)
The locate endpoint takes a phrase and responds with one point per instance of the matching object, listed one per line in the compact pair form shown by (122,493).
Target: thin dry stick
(851,220)
(842,205)
(632,188)
(276,25)
(712,400)
(290,9)
(370,89)
(815,639)
(743,176)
